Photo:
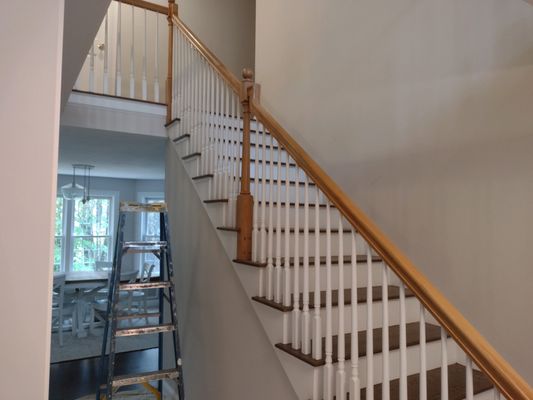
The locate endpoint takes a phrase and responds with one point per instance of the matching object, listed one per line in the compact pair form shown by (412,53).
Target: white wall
(30,73)
(226,27)
(226,352)
(421,110)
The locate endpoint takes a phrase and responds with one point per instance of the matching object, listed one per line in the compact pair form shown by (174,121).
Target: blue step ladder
(161,249)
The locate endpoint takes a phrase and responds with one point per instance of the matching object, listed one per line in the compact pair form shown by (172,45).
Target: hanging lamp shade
(72,191)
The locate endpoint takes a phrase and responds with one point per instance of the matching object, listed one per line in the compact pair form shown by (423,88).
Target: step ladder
(161,249)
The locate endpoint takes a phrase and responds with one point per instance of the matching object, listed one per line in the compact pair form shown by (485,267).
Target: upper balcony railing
(128,57)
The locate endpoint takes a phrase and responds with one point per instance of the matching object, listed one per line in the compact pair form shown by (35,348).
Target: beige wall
(421,110)
(29,112)
(226,27)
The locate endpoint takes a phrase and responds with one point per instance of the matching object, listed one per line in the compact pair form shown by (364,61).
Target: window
(91,233)
(59,238)
(83,233)
(150,231)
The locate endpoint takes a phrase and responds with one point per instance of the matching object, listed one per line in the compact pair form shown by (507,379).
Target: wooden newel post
(245,201)
(172,10)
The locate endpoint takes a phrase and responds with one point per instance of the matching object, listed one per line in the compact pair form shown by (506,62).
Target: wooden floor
(70,380)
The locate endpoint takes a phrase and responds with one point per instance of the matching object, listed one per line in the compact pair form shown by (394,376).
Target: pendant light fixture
(72,191)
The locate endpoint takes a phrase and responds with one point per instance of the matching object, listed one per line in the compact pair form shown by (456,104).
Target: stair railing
(259,181)
(128,54)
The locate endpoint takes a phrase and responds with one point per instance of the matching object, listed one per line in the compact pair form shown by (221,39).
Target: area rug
(75,348)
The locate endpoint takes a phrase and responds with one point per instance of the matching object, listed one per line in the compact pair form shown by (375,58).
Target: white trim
(115,103)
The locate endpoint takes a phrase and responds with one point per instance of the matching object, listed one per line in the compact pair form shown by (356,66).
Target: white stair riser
(304,388)
(411,312)
(362,274)
(300,211)
(346,240)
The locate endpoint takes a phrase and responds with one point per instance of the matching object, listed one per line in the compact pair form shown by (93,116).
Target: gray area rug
(75,348)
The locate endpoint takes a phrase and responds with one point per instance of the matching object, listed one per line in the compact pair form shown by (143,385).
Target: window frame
(145,197)
(67,256)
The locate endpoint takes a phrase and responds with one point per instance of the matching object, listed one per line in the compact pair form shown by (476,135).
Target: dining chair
(62,305)
(128,301)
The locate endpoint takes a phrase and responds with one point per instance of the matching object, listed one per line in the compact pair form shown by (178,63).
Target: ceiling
(114,154)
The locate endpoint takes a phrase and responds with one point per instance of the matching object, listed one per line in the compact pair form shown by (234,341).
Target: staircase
(312,301)
(348,314)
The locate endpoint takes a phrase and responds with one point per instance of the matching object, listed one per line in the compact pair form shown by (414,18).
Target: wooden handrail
(508,381)
(146,5)
(503,375)
(226,74)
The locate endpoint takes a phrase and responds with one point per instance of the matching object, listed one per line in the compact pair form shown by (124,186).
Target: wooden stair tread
(456,385)
(291,230)
(171,122)
(361,258)
(412,339)
(377,295)
(267,203)
(181,137)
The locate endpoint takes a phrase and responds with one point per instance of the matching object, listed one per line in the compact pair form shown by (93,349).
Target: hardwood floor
(70,380)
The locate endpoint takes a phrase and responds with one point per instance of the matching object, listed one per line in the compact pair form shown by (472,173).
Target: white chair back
(146,272)
(103,265)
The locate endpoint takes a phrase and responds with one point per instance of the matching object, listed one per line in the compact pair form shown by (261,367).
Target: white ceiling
(114,154)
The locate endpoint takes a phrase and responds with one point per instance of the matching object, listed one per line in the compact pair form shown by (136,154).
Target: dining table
(84,285)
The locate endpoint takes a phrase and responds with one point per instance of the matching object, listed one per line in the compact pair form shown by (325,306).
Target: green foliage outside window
(58,242)
(91,241)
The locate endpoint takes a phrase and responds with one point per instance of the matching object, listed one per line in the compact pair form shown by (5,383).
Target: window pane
(88,250)
(59,216)
(93,217)
(58,253)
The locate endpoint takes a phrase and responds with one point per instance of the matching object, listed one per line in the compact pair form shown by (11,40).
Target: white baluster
(263,232)
(91,69)
(385,387)
(369,328)
(443,365)
(277,295)
(496,394)
(296,281)
(227,149)
(306,338)
(423,364)
(270,230)
(287,301)
(105,88)
(216,148)
(355,385)
(118,58)
(257,211)
(132,54)
(235,159)
(341,373)
(403,346)
(328,367)
(469,380)
(156,61)
(144,81)
(317,320)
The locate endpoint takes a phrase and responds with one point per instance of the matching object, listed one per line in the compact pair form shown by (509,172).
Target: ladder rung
(144,247)
(134,379)
(144,330)
(144,285)
(122,317)
(128,206)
